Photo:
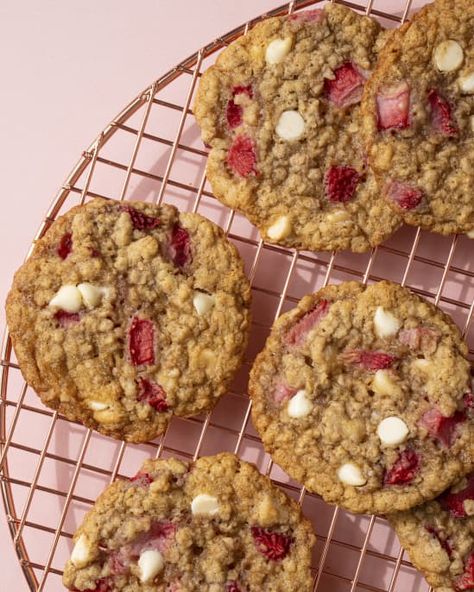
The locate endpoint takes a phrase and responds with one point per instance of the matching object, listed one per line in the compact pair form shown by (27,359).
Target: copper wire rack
(52,470)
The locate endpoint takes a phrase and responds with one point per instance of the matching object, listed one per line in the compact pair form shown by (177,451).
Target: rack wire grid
(52,470)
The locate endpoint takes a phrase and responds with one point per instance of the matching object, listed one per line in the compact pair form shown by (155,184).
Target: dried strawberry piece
(341,183)
(153,394)
(67,319)
(466,581)
(420,338)
(233,110)
(65,245)
(468,400)
(241,157)
(298,333)
(445,544)
(454,502)
(273,545)
(307,16)
(404,470)
(159,537)
(347,86)
(282,393)
(232,587)
(141,335)
(440,427)
(368,360)
(393,105)
(441,114)
(405,196)
(141,479)
(140,220)
(179,249)
(119,560)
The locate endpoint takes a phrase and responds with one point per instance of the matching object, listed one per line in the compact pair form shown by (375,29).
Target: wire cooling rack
(52,470)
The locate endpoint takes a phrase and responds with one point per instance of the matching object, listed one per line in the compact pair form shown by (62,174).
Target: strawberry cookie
(214,525)
(128,313)
(362,393)
(418,118)
(280,112)
(439,536)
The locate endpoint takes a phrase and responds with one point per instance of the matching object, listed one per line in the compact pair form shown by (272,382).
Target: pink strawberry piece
(341,183)
(232,587)
(65,245)
(141,479)
(405,196)
(159,537)
(282,393)
(140,220)
(67,319)
(273,545)
(441,115)
(308,16)
(153,394)
(141,342)
(420,338)
(445,544)
(440,427)
(180,246)
(404,470)
(466,581)
(347,86)
(298,333)
(233,110)
(393,104)
(241,157)
(454,502)
(468,400)
(368,360)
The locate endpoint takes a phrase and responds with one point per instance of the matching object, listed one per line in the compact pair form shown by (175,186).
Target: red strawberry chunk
(232,587)
(159,537)
(308,16)
(347,86)
(141,335)
(466,581)
(368,360)
(341,183)
(405,196)
(298,333)
(282,393)
(65,245)
(273,545)
(233,110)
(141,479)
(454,502)
(468,400)
(153,394)
(180,246)
(241,157)
(445,544)
(393,104)
(441,115)
(404,470)
(140,221)
(67,319)
(420,338)
(440,427)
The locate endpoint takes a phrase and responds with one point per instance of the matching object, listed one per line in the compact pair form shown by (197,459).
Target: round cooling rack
(52,470)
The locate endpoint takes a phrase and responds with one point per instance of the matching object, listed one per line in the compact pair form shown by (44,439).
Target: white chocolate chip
(150,564)
(299,405)
(466,83)
(277,50)
(202,302)
(91,295)
(470,234)
(97,405)
(205,504)
(80,552)
(382,384)
(350,474)
(290,126)
(472,127)
(281,228)
(421,364)
(385,323)
(448,56)
(67,298)
(392,431)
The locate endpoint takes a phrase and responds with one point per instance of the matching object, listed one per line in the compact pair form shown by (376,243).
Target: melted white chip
(80,552)
(67,298)
(350,474)
(281,228)
(382,384)
(202,302)
(91,295)
(150,564)
(448,56)
(392,431)
(299,405)
(205,504)
(290,126)
(277,50)
(385,323)
(97,405)
(466,83)
(470,234)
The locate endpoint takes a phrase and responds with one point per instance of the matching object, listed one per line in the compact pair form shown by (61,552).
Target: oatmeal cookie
(418,118)
(215,525)
(280,112)
(128,313)
(361,393)
(439,536)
